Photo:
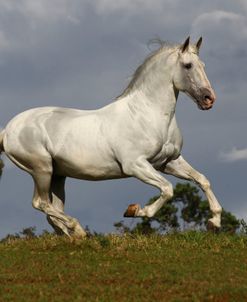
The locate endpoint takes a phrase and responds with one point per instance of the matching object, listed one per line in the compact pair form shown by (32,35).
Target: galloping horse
(135,136)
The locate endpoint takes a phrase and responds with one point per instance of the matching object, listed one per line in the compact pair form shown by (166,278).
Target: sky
(81,54)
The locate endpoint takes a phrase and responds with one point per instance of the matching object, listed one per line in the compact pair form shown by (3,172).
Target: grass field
(178,267)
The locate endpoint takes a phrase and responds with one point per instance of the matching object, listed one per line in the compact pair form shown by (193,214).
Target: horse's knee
(167,191)
(204,182)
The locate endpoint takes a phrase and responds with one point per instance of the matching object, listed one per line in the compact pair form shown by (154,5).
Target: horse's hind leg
(41,201)
(57,196)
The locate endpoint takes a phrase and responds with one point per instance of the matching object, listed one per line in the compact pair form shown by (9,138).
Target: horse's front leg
(181,169)
(141,169)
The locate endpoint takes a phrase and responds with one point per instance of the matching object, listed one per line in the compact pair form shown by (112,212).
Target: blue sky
(81,54)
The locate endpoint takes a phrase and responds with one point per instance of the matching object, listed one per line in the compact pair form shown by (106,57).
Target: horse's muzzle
(207,99)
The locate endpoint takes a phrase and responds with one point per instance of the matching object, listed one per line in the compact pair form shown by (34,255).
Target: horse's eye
(188,66)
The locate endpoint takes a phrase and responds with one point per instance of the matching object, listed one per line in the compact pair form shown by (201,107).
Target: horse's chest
(169,150)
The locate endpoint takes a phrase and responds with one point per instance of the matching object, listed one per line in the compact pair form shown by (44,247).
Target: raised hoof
(212,228)
(132,210)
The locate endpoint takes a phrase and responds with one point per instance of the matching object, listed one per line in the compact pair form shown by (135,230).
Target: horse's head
(190,77)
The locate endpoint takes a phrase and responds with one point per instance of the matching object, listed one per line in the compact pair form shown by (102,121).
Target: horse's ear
(185,46)
(198,44)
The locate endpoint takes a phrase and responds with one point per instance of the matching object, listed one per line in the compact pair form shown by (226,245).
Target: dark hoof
(212,228)
(132,210)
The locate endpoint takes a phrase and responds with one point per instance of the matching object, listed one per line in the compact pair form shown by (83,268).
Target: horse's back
(30,126)
(38,129)
(72,139)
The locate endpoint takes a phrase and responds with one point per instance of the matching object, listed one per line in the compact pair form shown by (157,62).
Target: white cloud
(51,10)
(45,10)
(234,155)
(27,23)
(218,18)
(130,6)
(224,30)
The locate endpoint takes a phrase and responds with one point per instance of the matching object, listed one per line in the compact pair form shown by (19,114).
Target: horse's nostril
(208,98)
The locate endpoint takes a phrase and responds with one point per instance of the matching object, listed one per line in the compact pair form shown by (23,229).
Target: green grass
(178,267)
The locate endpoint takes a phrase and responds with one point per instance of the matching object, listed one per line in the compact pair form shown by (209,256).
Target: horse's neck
(153,88)
(155,94)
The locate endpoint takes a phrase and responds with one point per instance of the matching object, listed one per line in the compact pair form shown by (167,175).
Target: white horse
(135,136)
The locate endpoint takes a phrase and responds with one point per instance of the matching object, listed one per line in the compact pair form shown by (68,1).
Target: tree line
(185,211)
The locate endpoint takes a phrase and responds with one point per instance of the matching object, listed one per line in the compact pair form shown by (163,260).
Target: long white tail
(1,150)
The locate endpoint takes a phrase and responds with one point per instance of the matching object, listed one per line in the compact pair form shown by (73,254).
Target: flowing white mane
(164,49)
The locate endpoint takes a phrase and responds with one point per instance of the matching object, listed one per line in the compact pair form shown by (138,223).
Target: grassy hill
(188,266)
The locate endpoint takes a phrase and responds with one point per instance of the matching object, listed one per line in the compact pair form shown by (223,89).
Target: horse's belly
(87,167)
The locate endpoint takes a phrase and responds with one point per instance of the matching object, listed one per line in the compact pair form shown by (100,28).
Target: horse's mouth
(205,100)
(205,104)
